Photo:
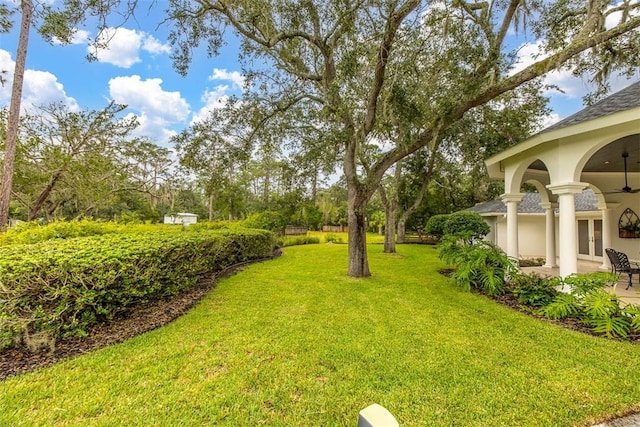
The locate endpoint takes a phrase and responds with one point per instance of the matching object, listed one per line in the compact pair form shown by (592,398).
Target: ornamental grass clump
(65,286)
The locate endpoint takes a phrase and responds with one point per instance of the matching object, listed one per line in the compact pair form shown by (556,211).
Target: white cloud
(79,37)
(39,87)
(212,100)
(219,95)
(156,108)
(123,46)
(235,77)
(153,45)
(549,119)
(561,82)
(570,86)
(529,53)
(153,127)
(616,17)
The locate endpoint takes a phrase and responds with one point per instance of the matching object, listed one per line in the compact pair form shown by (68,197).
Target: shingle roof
(585,201)
(622,100)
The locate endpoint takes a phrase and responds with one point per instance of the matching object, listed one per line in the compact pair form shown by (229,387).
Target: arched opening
(614,167)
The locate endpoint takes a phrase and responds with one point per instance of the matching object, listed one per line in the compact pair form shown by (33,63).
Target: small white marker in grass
(376,416)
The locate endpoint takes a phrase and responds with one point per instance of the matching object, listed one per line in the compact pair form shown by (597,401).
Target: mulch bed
(136,320)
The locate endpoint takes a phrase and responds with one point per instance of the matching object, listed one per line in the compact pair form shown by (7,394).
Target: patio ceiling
(618,111)
(609,158)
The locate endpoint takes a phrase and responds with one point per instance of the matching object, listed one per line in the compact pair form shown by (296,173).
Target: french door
(590,239)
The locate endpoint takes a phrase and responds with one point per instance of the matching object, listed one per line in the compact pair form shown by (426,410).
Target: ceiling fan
(626,188)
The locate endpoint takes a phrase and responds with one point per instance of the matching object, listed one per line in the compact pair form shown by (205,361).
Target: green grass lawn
(295,342)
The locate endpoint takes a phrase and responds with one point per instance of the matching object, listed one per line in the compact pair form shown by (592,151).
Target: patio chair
(620,264)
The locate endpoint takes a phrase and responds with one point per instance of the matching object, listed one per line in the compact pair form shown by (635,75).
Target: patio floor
(631,296)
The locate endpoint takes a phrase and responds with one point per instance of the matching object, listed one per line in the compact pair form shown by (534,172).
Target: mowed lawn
(295,342)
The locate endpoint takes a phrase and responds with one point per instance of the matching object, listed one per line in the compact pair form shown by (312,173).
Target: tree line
(79,164)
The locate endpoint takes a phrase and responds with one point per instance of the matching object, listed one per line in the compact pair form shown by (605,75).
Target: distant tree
(73,155)
(214,149)
(8,161)
(147,167)
(55,24)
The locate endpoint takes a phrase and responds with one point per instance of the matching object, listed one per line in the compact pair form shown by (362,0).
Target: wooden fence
(335,228)
(293,230)
(420,238)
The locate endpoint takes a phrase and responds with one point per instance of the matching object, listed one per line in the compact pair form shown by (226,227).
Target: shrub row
(34,232)
(298,240)
(65,286)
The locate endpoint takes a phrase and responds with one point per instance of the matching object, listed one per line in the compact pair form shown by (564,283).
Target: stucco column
(606,235)
(512,201)
(568,238)
(550,234)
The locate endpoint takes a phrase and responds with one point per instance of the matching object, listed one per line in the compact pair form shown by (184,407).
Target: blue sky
(136,70)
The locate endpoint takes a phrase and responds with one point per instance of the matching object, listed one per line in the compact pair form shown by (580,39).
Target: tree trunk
(390,203)
(211,200)
(418,200)
(401,231)
(14,114)
(390,229)
(358,260)
(314,187)
(44,195)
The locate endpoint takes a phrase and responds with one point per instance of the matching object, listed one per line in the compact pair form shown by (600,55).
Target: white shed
(181,218)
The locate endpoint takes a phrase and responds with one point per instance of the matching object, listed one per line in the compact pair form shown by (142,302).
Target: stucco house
(597,148)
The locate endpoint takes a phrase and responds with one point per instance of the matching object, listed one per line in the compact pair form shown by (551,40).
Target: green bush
(332,238)
(562,306)
(212,225)
(592,305)
(531,262)
(532,290)
(266,220)
(34,232)
(299,240)
(481,265)
(466,225)
(65,286)
(435,225)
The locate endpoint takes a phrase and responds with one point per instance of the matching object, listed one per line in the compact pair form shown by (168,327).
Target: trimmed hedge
(34,232)
(65,286)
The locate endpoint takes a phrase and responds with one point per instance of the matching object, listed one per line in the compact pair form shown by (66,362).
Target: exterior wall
(531,235)
(492,237)
(631,247)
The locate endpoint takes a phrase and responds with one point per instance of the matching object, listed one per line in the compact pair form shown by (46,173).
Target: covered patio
(597,148)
